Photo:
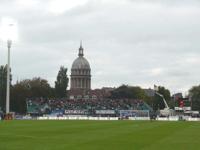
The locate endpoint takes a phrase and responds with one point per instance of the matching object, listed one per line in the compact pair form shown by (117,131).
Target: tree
(39,88)
(194,92)
(61,83)
(3,83)
(158,101)
(125,91)
(19,93)
(34,88)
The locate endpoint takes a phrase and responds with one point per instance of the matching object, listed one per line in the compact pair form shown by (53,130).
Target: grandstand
(86,107)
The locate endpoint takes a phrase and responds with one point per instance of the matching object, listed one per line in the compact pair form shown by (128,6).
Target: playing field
(99,135)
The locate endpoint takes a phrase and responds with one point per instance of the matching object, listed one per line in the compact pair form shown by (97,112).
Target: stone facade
(80,73)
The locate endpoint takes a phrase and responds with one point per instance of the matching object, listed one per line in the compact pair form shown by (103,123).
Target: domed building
(80,73)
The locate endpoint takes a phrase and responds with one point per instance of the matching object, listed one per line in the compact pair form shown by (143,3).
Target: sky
(133,42)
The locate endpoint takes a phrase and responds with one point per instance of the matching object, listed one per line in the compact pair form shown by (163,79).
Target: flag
(155,87)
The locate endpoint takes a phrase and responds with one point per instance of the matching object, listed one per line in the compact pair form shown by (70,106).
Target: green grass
(99,135)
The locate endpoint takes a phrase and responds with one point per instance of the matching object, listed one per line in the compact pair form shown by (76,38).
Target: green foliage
(125,91)
(27,88)
(157,101)
(61,83)
(19,93)
(194,92)
(39,88)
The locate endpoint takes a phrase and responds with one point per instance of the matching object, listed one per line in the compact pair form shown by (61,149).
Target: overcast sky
(134,42)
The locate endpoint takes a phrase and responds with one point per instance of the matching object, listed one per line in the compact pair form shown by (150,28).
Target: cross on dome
(81,50)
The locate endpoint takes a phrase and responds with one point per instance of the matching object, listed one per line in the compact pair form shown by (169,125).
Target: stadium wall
(77,118)
(90,118)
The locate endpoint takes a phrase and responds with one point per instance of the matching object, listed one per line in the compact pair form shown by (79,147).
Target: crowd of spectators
(49,105)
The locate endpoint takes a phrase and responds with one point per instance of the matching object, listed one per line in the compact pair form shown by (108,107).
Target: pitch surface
(99,135)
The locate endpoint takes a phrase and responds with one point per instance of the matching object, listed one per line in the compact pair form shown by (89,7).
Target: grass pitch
(99,135)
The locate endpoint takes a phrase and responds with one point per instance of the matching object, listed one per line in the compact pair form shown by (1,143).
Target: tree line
(136,92)
(155,101)
(31,88)
(39,87)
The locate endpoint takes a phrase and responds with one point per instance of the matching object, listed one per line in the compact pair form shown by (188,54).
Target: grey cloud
(121,41)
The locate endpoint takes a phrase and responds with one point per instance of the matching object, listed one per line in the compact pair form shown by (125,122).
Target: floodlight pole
(9,43)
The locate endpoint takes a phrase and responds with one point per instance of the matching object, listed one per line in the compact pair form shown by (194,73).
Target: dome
(80,73)
(80,63)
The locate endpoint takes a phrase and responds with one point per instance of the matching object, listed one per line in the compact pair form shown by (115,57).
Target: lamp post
(9,43)
(8,33)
